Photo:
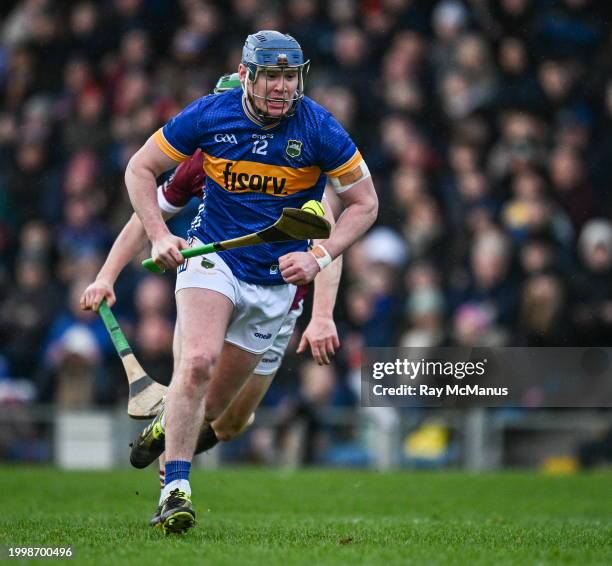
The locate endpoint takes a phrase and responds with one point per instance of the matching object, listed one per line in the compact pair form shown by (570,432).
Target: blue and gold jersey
(253,172)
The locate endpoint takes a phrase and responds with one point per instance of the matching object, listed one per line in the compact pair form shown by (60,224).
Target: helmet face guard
(260,72)
(272,51)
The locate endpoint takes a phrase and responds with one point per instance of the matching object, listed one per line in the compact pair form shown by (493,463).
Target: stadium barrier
(377,438)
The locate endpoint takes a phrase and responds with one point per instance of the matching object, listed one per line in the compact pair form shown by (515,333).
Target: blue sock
(177,470)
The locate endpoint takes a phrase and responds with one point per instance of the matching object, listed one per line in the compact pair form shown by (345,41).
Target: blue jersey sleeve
(337,150)
(182,135)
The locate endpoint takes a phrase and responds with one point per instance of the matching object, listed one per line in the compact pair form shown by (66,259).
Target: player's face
(274,91)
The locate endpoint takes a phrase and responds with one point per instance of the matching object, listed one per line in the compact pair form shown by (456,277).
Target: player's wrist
(159,232)
(105,279)
(322,256)
(324,316)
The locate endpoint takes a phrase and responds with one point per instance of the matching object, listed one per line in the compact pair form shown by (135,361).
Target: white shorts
(272,359)
(259,310)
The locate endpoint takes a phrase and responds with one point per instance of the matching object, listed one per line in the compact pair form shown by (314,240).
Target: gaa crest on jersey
(294,148)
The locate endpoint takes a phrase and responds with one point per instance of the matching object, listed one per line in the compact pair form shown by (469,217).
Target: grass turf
(253,516)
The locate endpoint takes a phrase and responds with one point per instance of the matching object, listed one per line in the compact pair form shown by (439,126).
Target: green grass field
(253,516)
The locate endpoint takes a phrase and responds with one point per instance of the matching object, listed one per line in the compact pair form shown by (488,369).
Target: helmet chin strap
(264,117)
(259,115)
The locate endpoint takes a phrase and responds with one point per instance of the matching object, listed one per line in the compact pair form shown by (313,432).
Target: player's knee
(210,416)
(225,434)
(231,429)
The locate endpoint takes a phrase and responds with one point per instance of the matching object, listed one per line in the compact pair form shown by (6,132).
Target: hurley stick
(146,394)
(293,224)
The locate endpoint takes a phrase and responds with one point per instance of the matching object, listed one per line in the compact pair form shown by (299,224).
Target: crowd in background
(486,125)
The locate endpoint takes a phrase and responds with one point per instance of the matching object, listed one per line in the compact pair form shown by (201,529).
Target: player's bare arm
(361,209)
(321,334)
(128,243)
(143,169)
(172,197)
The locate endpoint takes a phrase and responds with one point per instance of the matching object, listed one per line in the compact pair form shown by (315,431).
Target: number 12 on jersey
(260,147)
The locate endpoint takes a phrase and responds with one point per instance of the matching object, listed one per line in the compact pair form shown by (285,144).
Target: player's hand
(322,337)
(95,293)
(166,251)
(299,268)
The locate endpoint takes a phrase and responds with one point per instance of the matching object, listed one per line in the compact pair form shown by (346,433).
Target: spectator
(25,314)
(485,124)
(592,304)
(571,187)
(153,343)
(424,308)
(77,345)
(489,300)
(543,317)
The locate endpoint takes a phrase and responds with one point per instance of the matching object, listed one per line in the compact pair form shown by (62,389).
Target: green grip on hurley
(191,252)
(152,266)
(119,340)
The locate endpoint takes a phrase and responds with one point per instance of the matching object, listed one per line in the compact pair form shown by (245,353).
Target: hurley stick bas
(146,394)
(293,224)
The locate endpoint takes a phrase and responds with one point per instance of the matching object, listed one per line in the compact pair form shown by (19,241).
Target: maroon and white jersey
(186,182)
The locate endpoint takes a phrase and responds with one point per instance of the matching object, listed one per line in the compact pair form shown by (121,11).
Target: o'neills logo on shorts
(246,182)
(263,336)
